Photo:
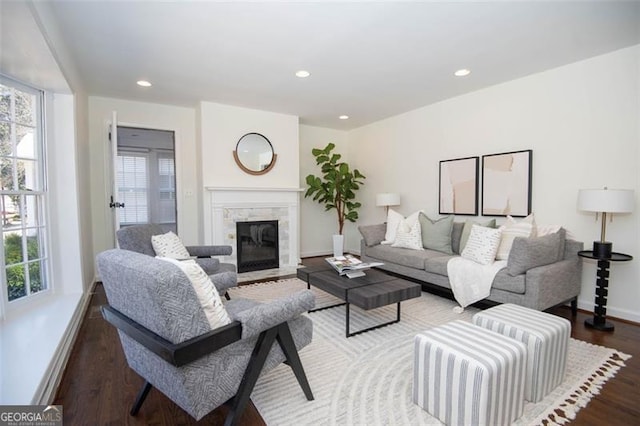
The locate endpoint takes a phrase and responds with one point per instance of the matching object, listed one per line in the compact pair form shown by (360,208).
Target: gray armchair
(223,275)
(167,340)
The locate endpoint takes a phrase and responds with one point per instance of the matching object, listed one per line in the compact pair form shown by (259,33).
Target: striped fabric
(546,337)
(467,375)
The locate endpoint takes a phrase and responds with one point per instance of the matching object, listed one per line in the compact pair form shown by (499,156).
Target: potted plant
(336,189)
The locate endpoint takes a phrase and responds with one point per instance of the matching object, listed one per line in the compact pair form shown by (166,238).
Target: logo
(30,415)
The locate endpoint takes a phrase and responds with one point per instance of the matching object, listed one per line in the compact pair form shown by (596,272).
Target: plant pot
(338,245)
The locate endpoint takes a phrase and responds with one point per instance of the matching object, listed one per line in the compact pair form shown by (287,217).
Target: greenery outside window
(22,192)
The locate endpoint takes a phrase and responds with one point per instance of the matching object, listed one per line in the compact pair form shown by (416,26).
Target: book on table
(351,266)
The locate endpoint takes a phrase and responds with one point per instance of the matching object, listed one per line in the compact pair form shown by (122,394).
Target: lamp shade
(387,199)
(606,200)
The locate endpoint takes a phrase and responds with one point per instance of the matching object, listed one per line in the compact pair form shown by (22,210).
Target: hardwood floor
(98,388)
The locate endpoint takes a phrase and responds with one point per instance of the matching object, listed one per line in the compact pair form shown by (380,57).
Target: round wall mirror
(254,154)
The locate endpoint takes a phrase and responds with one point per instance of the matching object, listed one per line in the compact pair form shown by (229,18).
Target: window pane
(9,211)
(33,245)
(7,176)
(30,213)
(16,279)
(6,147)
(13,247)
(25,142)
(36,280)
(28,175)
(5,102)
(25,108)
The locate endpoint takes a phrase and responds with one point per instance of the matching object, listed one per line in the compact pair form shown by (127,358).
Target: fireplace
(257,245)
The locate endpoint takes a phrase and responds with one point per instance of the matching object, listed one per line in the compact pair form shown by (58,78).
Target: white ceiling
(367,60)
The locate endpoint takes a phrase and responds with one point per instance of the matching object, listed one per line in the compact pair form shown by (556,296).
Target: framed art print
(459,186)
(506,184)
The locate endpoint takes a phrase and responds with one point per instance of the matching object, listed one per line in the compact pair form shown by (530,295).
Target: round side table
(599,320)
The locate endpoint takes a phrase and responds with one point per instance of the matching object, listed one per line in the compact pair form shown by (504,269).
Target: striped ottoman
(546,337)
(467,375)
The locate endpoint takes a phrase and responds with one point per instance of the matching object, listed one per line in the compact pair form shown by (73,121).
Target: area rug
(367,379)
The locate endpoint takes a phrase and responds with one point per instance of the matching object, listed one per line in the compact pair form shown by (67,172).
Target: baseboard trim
(48,388)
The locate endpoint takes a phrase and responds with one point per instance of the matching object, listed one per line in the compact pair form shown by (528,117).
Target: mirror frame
(253,172)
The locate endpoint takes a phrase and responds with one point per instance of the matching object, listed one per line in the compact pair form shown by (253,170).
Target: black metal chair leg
(142,395)
(285,339)
(251,374)
(574,307)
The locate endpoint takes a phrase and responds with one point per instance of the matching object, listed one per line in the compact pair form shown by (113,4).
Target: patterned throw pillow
(394,219)
(510,230)
(205,290)
(408,236)
(169,245)
(466,230)
(482,245)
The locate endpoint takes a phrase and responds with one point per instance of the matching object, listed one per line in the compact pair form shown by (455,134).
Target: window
(166,189)
(132,180)
(22,192)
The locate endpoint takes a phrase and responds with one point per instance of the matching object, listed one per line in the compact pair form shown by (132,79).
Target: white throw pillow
(205,290)
(482,245)
(511,229)
(169,245)
(394,219)
(409,237)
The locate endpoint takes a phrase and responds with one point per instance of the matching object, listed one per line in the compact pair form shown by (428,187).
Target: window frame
(41,195)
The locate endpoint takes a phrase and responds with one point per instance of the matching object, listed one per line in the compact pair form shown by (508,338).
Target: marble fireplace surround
(231,205)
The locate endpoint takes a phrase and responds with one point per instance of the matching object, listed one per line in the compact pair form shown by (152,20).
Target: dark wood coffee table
(374,290)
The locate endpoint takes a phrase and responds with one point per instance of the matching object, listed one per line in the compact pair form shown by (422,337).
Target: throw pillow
(408,236)
(394,219)
(482,245)
(205,290)
(527,253)
(169,245)
(510,230)
(436,234)
(466,230)
(372,234)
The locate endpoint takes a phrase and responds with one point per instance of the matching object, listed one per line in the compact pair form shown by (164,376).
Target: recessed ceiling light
(344,117)
(462,73)
(143,83)
(303,74)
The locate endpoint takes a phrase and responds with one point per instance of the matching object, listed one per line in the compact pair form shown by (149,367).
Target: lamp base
(602,249)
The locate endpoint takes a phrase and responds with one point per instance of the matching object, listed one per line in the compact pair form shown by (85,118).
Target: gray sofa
(538,288)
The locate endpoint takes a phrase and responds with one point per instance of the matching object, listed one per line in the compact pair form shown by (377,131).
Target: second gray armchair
(223,275)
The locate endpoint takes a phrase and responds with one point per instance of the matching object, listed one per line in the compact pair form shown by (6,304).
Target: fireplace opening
(257,245)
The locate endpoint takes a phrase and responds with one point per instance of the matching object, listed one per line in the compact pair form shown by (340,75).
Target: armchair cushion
(169,245)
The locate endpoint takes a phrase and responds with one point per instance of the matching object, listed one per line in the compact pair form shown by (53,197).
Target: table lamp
(387,199)
(605,201)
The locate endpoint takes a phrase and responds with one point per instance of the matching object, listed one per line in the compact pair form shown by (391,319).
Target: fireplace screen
(257,245)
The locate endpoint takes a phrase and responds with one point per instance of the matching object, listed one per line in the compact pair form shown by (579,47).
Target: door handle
(115,205)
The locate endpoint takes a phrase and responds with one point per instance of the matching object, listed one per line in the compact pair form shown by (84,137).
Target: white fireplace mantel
(229,205)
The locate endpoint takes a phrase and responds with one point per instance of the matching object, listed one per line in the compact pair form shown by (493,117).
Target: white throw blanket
(471,281)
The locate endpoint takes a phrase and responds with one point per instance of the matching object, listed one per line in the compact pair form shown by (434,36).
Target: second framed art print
(459,186)
(506,183)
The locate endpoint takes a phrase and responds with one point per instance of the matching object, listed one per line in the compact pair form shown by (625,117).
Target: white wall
(220,128)
(146,115)
(63,198)
(317,225)
(581,121)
